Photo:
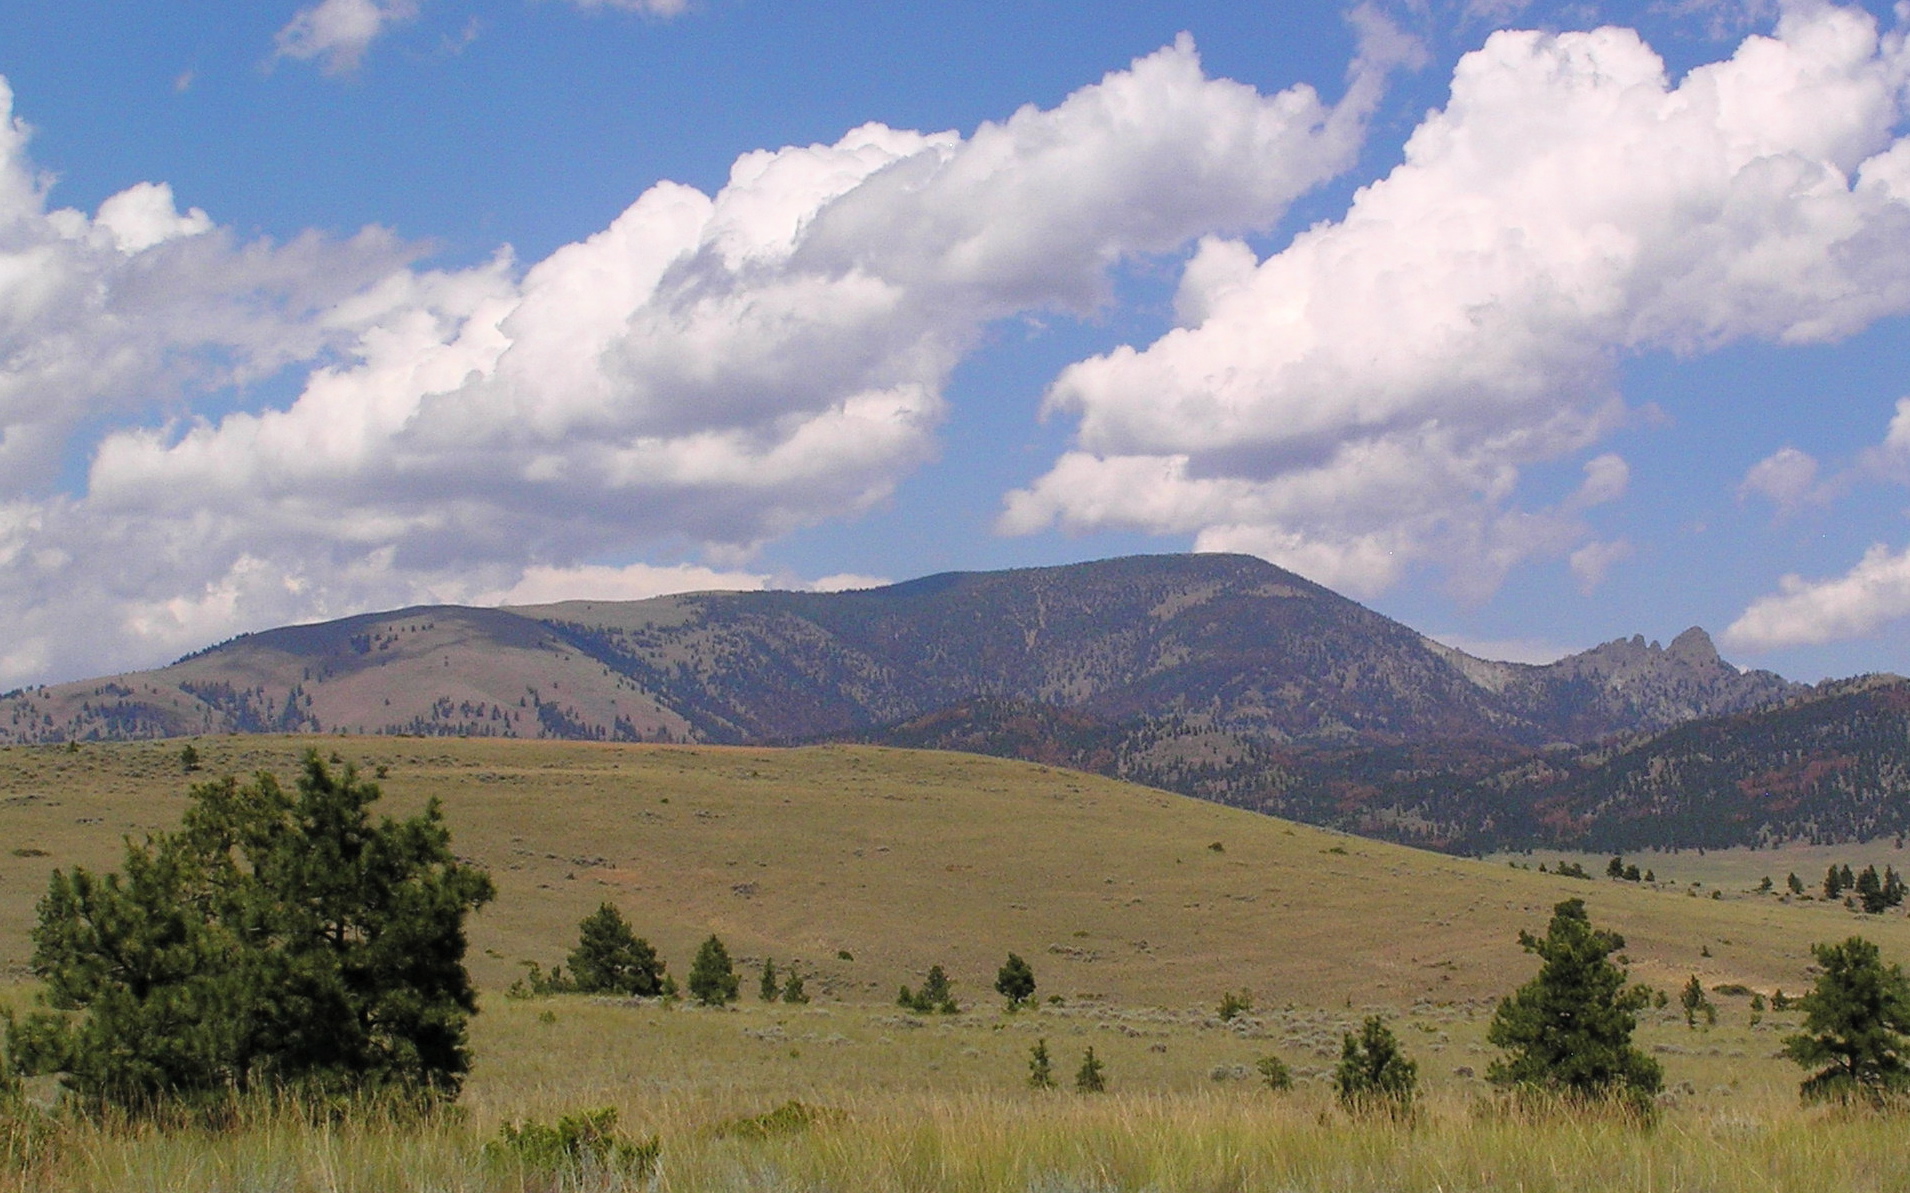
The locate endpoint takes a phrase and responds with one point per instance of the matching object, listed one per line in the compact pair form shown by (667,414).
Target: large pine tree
(279,939)
(1856,1024)
(1568,1030)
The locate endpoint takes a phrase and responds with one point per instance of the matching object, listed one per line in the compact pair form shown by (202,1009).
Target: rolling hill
(903,859)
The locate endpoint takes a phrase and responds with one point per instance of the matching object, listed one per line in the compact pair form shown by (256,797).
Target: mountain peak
(1694,647)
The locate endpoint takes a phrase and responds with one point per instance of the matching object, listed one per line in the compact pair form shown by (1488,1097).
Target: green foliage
(1615,868)
(1040,1066)
(189,758)
(1793,883)
(935,996)
(793,991)
(1233,1006)
(1877,895)
(1568,1030)
(1374,1076)
(1274,1073)
(1016,982)
(791,1118)
(713,980)
(768,989)
(611,959)
(1092,1076)
(278,939)
(1855,1021)
(579,1149)
(1694,1001)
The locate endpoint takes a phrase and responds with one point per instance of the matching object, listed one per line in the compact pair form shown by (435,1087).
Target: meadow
(863,867)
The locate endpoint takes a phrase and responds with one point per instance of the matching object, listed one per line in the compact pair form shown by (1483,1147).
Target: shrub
(713,980)
(1232,1005)
(611,959)
(791,1118)
(579,1148)
(1016,982)
(278,939)
(1568,1030)
(1855,1022)
(1091,1077)
(1374,1075)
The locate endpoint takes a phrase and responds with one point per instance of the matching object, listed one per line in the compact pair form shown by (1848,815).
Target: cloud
(1593,562)
(542,585)
(1369,397)
(1811,612)
(1787,478)
(655,8)
(340,31)
(704,374)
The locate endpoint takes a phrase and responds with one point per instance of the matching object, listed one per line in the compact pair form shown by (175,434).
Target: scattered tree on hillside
(1615,868)
(1016,982)
(1568,1030)
(768,989)
(189,758)
(1373,1075)
(1695,1002)
(1092,1076)
(279,939)
(1233,1005)
(1040,1066)
(612,959)
(935,996)
(1794,883)
(713,980)
(1855,1022)
(793,991)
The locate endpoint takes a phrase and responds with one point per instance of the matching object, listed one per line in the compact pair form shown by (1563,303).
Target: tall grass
(1025,1143)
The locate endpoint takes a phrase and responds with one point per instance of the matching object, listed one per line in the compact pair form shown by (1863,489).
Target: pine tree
(1040,1066)
(1615,868)
(1091,1077)
(1795,883)
(934,997)
(1274,1073)
(1833,883)
(1016,982)
(189,758)
(713,980)
(1568,1030)
(1855,1023)
(1870,891)
(611,959)
(793,991)
(768,989)
(279,939)
(1374,1075)
(1692,998)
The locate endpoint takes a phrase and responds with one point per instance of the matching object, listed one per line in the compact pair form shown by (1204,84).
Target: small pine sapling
(768,989)
(793,991)
(1274,1073)
(713,980)
(1374,1075)
(189,758)
(1040,1066)
(1793,883)
(1091,1077)
(1233,1005)
(1694,1001)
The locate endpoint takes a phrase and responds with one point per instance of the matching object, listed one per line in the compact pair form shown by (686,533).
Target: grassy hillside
(905,859)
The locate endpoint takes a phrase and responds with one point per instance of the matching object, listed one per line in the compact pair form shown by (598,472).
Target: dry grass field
(863,867)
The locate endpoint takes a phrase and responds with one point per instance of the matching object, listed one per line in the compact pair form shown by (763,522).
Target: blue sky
(1529,324)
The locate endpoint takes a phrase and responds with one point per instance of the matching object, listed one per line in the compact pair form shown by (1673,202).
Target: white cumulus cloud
(1810,612)
(340,31)
(707,372)
(1369,396)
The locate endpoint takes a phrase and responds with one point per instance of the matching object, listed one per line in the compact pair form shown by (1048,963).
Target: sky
(1529,324)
